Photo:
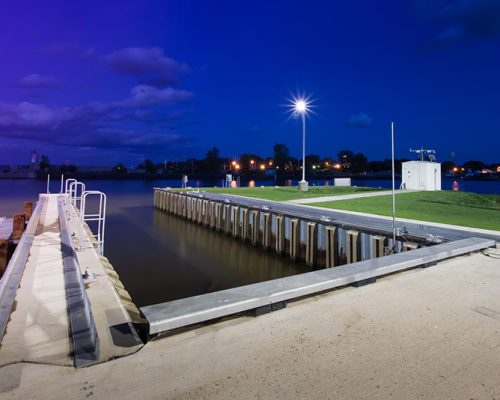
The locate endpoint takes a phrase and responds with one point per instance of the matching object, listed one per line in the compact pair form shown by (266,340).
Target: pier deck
(38,328)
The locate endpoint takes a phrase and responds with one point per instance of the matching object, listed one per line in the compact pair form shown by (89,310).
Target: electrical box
(421,175)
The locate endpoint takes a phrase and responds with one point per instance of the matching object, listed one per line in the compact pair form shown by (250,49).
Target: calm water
(160,257)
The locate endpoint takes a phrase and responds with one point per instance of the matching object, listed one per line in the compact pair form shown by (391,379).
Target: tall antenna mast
(393,192)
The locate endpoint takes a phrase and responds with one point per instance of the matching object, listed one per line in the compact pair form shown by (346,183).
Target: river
(160,257)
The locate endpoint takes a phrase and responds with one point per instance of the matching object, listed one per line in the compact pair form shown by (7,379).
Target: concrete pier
(317,242)
(41,327)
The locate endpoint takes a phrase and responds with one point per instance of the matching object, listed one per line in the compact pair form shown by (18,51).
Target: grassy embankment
(290,193)
(448,207)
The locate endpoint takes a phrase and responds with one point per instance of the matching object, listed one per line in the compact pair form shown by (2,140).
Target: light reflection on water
(168,258)
(160,257)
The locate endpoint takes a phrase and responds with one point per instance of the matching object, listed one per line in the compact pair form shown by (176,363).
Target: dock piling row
(317,243)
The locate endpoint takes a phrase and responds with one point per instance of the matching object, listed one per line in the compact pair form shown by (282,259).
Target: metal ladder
(100,217)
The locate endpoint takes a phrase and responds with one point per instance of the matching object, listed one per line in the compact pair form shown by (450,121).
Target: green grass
(290,193)
(448,207)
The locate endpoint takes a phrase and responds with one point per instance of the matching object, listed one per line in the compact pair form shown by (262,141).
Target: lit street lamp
(301,108)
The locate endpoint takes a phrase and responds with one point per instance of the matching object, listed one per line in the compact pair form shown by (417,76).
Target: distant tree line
(345,162)
(282,163)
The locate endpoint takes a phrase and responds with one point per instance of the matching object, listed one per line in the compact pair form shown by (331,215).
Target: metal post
(48,183)
(393,192)
(303,146)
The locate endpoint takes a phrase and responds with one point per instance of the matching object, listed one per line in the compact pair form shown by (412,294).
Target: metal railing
(99,217)
(76,191)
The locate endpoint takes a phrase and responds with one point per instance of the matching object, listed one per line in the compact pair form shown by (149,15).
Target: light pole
(301,108)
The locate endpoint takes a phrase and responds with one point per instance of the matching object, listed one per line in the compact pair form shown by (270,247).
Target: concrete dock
(38,329)
(426,333)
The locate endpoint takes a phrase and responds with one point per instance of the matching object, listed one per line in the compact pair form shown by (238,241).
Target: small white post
(393,191)
(62,184)
(48,183)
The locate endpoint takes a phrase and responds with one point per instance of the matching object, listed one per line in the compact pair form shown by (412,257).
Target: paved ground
(424,334)
(344,197)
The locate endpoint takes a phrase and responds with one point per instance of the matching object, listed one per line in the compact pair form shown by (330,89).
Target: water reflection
(160,257)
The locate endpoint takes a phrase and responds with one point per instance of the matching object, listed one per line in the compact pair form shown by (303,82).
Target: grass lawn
(448,207)
(283,193)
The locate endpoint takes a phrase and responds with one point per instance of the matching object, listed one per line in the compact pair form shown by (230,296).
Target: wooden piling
(245,231)
(331,247)
(378,244)
(353,247)
(18,225)
(4,250)
(227,218)
(311,243)
(268,233)
(294,250)
(255,227)
(280,234)
(236,221)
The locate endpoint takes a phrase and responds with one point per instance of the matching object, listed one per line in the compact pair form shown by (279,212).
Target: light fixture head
(301,106)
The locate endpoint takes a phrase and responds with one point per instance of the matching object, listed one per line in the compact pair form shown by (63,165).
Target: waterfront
(160,257)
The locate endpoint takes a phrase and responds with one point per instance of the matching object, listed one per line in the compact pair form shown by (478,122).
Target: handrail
(100,217)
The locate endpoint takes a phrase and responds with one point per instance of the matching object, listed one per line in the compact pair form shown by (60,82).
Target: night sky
(101,82)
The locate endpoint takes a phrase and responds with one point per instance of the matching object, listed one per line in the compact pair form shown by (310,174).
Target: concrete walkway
(38,330)
(38,326)
(345,197)
(424,334)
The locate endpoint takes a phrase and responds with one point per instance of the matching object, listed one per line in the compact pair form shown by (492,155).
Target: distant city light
(233,163)
(262,167)
(252,161)
(237,166)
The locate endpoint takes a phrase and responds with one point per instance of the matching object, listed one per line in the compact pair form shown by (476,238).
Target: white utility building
(421,175)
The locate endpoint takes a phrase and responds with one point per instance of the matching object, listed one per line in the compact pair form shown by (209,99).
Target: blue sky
(112,81)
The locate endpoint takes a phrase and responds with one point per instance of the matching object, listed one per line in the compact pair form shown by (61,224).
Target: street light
(301,107)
